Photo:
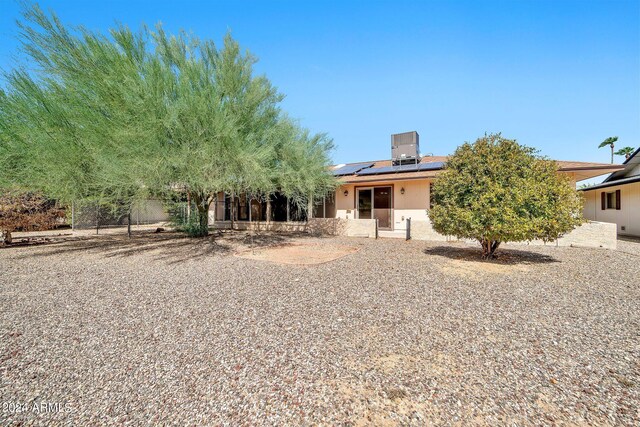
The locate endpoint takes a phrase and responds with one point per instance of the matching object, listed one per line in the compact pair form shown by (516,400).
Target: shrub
(496,190)
(26,211)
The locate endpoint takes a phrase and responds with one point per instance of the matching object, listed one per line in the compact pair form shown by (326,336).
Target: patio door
(375,203)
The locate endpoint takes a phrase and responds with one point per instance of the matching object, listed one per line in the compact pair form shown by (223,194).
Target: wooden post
(129,222)
(288,213)
(188,206)
(233,208)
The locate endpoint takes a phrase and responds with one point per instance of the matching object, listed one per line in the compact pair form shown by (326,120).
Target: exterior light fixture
(402,190)
(346,193)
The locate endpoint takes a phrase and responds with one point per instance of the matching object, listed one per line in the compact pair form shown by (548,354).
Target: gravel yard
(163,329)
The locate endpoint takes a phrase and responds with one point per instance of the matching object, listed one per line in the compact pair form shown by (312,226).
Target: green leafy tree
(496,191)
(625,151)
(112,118)
(609,142)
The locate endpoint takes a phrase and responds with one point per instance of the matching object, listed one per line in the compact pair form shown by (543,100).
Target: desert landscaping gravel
(166,330)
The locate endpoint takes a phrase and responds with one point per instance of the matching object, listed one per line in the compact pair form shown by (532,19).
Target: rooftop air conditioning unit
(405,148)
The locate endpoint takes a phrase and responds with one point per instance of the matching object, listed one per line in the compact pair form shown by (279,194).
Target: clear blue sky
(557,75)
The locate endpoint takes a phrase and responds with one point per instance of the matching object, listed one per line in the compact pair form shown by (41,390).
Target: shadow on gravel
(630,239)
(172,247)
(503,256)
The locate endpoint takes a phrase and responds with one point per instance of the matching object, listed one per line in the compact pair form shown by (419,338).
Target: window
(611,200)
(324,207)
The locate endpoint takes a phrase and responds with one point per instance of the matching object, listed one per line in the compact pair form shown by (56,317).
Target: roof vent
(405,148)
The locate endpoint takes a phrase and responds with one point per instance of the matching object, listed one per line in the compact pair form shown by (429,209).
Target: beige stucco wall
(413,204)
(149,211)
(422,230)
(629,214)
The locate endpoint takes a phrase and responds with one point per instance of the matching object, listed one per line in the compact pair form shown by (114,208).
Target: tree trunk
(202,203)
(489,248)
(203,219)
(233,208)
(268,210)
(611,153)
(97,218)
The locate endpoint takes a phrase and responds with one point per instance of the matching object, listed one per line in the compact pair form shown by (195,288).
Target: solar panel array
(351,169)
(402,168)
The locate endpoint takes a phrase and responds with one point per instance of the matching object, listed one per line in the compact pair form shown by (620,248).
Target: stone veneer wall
(591,234)
(343,227)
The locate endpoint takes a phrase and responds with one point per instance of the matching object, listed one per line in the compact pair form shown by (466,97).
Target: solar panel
(375,171)
(403,168)
(431,166)
(351,169)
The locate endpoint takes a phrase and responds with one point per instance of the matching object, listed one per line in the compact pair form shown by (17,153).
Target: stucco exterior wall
(345,205)
(422,230)
(149,211)
(628,217)
(413,204)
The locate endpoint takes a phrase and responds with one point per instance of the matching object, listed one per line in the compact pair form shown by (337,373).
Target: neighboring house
(617,198)
(387,190)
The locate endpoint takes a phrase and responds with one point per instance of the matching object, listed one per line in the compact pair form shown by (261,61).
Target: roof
(582,170)
(622,181)
(628,165)
(404,175)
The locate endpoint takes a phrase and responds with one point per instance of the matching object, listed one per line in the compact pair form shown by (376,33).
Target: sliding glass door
(365,203)
(375,203)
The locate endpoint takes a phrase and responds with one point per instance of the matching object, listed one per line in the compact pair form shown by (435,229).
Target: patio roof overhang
(586,170)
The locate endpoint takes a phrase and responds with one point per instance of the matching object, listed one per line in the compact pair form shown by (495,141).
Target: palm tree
(626,152)
(610,142)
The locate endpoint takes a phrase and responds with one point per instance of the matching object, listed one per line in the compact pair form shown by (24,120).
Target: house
(389,191)
(617,198)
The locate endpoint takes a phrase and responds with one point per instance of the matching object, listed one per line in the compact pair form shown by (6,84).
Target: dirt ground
(273,329)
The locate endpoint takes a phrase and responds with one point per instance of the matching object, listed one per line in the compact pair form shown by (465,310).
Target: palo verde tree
(73,124)
(496,191)
(114,117)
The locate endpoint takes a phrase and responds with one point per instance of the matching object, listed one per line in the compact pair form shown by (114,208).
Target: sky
(560,76)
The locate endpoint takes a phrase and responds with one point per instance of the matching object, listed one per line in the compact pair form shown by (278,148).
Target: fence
(94,215)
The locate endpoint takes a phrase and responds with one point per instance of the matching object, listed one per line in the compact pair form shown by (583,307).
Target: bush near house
(26,211)
(496,190)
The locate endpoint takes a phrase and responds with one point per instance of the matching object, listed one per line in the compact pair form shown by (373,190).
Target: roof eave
(612,184)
